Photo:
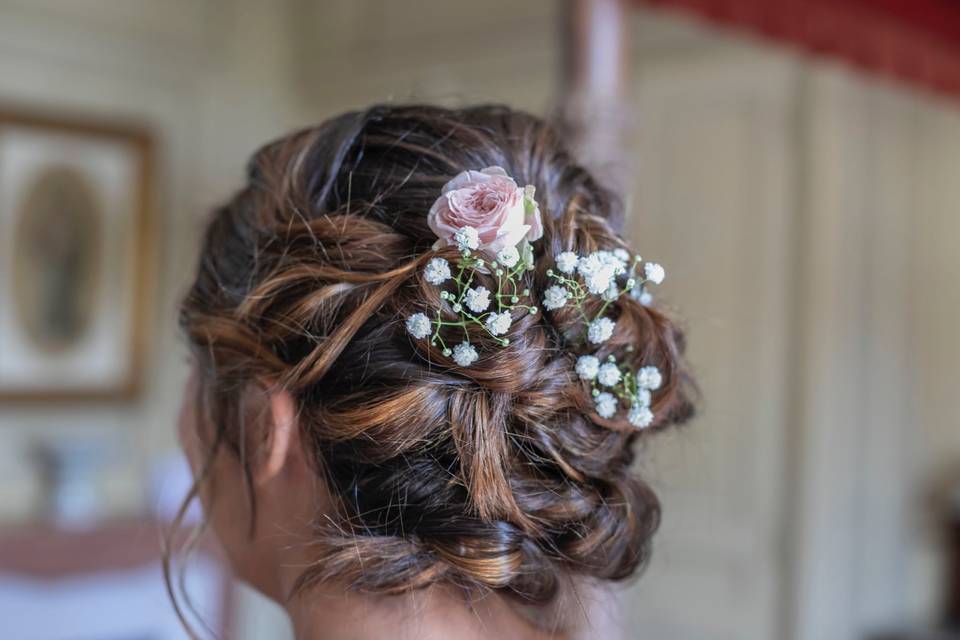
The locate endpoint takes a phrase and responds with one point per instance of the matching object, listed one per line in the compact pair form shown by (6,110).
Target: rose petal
(467,178)
(508,238)
(489,201)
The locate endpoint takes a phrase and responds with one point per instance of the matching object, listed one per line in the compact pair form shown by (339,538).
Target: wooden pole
(593,77)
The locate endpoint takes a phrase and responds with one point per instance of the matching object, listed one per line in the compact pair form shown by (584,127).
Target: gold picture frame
(75,257)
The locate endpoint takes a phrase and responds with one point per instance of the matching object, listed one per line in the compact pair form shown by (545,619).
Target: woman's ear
(281,442)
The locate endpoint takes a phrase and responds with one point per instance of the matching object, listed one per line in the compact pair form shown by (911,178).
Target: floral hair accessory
(485,210)
(607,275)
(491,221)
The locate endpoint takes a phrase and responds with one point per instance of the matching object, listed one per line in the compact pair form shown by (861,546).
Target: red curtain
(914,40)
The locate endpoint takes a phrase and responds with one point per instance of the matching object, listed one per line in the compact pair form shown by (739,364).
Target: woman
(422,359)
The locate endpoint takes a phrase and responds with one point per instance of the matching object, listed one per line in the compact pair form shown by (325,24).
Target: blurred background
(794,164)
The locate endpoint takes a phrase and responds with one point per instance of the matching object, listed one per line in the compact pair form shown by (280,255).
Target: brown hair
(499,475)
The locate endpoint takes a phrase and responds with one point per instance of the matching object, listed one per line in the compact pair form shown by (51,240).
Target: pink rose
(489,201)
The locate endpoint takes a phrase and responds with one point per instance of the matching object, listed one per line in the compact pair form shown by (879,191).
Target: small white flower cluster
(498,323)
(612,383)
(437,271)
(474,306)
(478,299)
(555,297)
(467,238)
(508,257)
(599,273)
(608,275)
(600,330)
(464,354)
(600,269)
(419,325)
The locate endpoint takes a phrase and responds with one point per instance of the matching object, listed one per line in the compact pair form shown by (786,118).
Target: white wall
(714,203)
(807,216)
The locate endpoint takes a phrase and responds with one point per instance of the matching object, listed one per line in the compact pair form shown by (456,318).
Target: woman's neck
(329,613)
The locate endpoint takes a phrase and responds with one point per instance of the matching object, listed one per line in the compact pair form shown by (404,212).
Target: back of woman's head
(500,474)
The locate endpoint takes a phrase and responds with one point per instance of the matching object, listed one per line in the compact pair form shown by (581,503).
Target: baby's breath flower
(600,330)
(419,325)
(649,378)
(639,293)
(567,261)
(642,397)
(554,297)
(599,281)
(612,293)
(464,354)
(613,261)
(609,374)
(598,271)
(606,404)
(508,257)
(467,238)
(437,271)
(640,416)
(478,299)
(588,367)
(498,323)
(622,254)
(654,272)
(589,264)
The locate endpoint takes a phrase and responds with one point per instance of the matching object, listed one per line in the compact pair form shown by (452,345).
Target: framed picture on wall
(74,219)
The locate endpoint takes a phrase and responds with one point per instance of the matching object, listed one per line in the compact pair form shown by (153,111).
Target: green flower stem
(507,279)
(607,303)
(499,289)
(579,295)
(625,390)
(481,323)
